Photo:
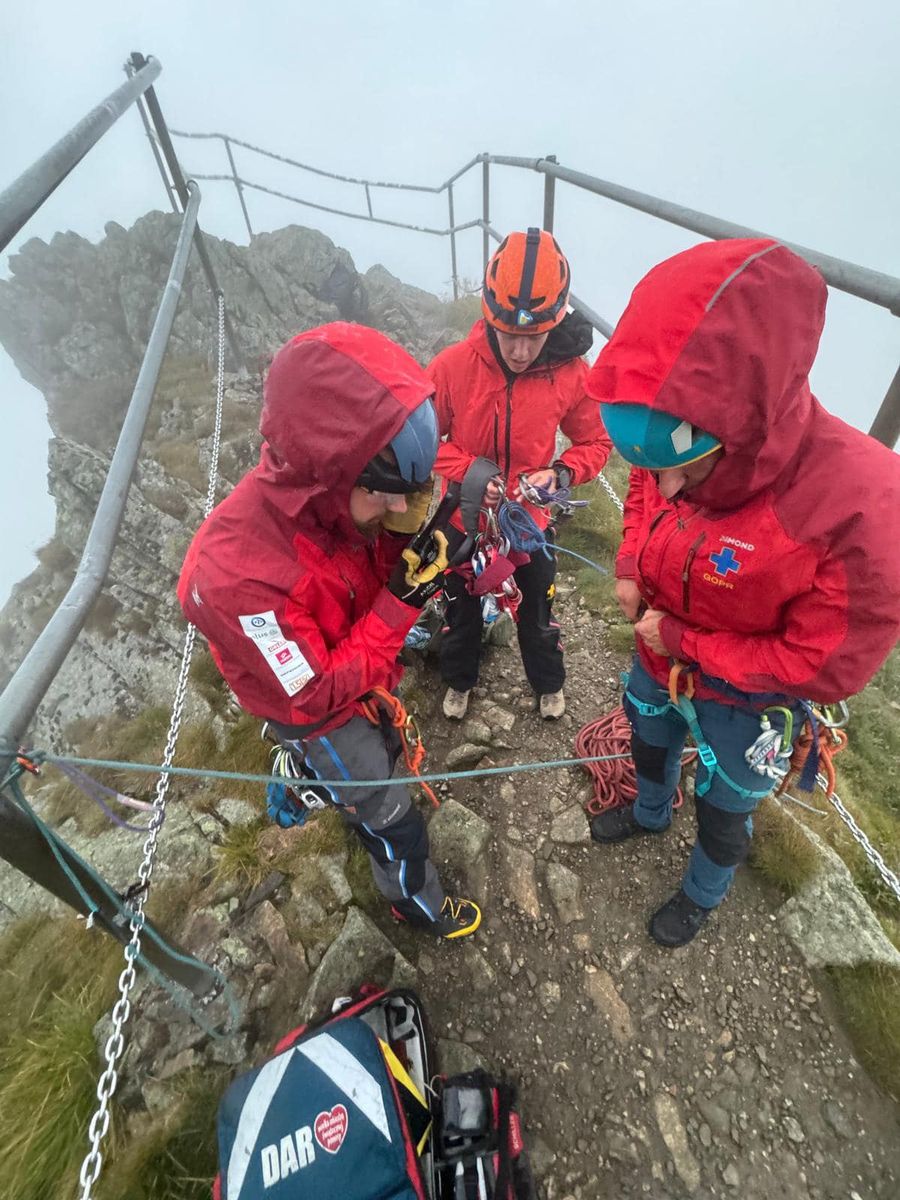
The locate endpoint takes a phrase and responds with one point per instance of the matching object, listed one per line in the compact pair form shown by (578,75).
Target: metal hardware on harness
(115,1043)
(425,563)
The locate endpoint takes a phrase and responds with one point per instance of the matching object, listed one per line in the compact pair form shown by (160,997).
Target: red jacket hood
(724,335)
(333,398)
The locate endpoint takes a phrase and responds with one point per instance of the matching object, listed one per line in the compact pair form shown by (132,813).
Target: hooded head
(334,398)
(720,339)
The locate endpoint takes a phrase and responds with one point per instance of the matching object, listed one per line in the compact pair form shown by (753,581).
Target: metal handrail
(22,844)
(876,287)
(25,195)
(37,670)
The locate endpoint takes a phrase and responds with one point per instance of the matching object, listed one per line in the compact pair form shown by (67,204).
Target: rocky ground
(712,1071)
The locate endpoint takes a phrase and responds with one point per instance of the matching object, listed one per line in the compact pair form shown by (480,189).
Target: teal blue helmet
(655,440)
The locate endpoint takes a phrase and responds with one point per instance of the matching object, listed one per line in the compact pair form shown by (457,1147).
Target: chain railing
(115,1043)
(876,287)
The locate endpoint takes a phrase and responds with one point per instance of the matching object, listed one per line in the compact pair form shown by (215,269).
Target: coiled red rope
(614,782)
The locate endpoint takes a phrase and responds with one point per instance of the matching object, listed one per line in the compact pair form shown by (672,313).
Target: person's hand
(406,582)
(628,597)
(647,628)
(545,479)
(413,518)
(493,493)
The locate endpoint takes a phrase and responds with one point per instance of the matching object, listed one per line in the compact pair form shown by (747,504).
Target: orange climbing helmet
(526,284)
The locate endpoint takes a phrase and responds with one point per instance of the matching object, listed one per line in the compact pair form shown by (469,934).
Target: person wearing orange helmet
(503,394)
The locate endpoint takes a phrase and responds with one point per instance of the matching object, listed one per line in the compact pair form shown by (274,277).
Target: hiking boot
(457,918)
(678,921)
(553,705)
(455,704)
(618,824)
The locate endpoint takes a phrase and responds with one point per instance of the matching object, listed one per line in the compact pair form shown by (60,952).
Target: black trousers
(538,633)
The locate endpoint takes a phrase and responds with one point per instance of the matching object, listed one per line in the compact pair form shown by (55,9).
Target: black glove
(415,581)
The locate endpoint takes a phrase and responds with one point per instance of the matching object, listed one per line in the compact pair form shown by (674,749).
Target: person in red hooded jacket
(502,394)
(296,581)
(759,557)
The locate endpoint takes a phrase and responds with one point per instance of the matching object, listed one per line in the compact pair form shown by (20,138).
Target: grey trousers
(383,818)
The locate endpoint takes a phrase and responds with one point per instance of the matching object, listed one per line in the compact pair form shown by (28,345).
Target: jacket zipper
(509,388)
(686,573)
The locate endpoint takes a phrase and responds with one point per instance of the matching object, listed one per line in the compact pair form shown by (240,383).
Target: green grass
(175,1156)
(56,980)
(596,532)
(780,849)
(239,856)
(869,998)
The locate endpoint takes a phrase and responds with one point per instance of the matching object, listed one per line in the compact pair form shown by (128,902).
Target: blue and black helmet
(413,450)
(655,440)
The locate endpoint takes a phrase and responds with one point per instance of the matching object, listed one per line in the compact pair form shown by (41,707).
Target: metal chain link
(610,491)
(115,1043)
(870,852)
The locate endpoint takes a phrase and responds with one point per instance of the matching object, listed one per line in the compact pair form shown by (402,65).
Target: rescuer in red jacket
(296,582)
(759,549)
(502,394)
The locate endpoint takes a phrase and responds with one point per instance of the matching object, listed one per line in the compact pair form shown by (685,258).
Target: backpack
(346,1108)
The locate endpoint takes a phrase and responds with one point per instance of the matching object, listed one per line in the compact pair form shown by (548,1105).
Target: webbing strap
(705,752)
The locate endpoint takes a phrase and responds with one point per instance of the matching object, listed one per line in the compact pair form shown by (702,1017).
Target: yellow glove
(417,506)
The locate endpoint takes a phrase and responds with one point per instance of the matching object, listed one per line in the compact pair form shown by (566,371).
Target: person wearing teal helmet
(751,598)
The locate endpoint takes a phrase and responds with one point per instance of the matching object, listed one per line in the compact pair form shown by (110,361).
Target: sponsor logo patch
(284,657)
(732,541)
(331,1128)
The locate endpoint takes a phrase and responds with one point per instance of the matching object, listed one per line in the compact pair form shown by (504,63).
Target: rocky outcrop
(75,318)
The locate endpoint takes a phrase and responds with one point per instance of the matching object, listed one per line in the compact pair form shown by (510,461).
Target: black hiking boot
(678,921)
(618,824)
(457,918)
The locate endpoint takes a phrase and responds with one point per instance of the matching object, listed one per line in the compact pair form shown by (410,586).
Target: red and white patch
(331,1128)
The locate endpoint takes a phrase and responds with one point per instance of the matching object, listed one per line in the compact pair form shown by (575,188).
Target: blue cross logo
(724,561)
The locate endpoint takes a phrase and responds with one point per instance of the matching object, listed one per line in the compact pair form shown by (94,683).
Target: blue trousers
(724,821)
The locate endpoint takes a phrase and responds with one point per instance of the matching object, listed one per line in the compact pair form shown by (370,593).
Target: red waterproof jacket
(287,591)
(485,410)
(781,571)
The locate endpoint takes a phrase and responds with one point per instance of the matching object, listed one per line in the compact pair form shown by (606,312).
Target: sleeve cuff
(672,632)
(395,614)
(626,567)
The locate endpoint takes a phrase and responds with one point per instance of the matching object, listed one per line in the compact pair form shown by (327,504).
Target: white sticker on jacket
(288,665)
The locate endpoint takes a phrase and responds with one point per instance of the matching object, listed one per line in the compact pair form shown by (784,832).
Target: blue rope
(523,533)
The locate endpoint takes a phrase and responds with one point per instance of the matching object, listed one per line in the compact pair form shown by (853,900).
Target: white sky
(779,114)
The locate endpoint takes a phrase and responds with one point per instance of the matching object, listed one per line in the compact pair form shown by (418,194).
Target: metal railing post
(25,195)
(29,683)
(237,184)
(452,242)
(165,142)
(485,207)
(22,844)
(549,196)
(886,426)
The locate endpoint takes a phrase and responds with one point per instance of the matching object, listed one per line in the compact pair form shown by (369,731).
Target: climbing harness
(379,706)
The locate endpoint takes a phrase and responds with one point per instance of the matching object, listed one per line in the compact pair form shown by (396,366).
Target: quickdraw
(381,703)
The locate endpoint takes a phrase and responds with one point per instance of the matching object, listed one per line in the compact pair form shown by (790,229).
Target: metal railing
(876,287)
(56,867)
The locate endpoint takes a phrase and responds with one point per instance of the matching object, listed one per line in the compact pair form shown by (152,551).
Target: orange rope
(615,783)
(831,742)
(410,738)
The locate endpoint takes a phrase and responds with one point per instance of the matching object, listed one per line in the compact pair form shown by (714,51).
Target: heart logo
(331,1128)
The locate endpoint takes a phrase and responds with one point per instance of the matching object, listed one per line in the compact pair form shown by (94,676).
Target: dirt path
(715,1070)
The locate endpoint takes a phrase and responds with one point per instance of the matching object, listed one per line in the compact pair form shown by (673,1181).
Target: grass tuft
(175,1156)
(780,849)
(869,998)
